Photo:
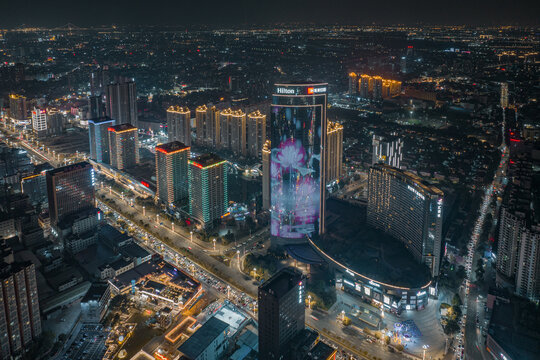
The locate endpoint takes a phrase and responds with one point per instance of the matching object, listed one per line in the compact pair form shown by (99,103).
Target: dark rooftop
(95,292)
(69,168)
(321,351)
(171,147)
(206,160)
(203,337)
(282,282)
(122,128)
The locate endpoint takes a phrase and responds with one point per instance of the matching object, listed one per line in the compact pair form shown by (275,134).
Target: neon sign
(371,282)
(282,90)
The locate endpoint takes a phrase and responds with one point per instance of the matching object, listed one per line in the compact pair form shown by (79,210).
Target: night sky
(14,13)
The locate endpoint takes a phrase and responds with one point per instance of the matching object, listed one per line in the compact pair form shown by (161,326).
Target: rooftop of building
(69,168)
(133,250)
(415,180)
(231,315)
(256,114)
(178,109)
(172,147)
(321,351)
(207,160)
(202,338)
(122,128)
(96,291)
(101,120)
(282,282)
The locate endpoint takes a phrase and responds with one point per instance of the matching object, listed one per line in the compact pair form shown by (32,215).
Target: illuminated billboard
(298,132)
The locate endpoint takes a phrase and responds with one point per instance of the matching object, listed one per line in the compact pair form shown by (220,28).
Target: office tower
(172,172)
(122,102)
(528,271)
(207,125)
(406,60)
(17,107)
(404,206)
(387,150)
(39,122)
(504,95)
(99,79)
(20,322)
(281,312)
(95,107)
(377,83)
(334,151)
(123,146)
(179,124)
(208,188)
(56,122)
(364,86)
(98,135)
(297,168)
(353,84)
(70,189)
(266,150)
(511,227)
(256,133)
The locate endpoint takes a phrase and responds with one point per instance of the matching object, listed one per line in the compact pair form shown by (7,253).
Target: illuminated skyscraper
(98,135)
(334,151)
(123,146)
(208,188)
(70,189)
(504,95)
(179,124)
(297,168)
(387,150)
(364,86)
(404,206)
(282,315)
(172,172)
(353,83)
(17,107)
(207,126)
(256,133)
(122,102)
(39,122)
(266,151)
(20,321)
(232,131)
(377,82)
(95,107)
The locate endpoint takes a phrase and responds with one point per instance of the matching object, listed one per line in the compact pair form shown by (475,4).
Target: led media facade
(298,135)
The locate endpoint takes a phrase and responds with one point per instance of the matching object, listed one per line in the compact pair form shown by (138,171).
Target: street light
(191,235)
(425,348)
(172,225)
(157,218)
(309,301)
(228,291)
(214,244)
(255,272)
(144,210)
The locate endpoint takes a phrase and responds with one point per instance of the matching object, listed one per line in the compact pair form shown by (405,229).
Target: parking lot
(89,344)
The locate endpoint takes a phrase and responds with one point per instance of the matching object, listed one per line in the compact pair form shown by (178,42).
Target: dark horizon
(236,13)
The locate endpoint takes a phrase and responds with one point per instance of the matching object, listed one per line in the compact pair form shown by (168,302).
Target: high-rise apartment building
(207,126)
(334,151)
(20,321)
(172,172)
(39,122)
(377,87)
(99,79)
(266,150)
(504,95)
(298,132)
(281,301)
(387,150)
(528,271)
(179,124)
(353,83)
(123,146)
(56,122)
(98,135)
(95,107)
(232,131)
(122,102)
(256,133)
(208,188)
(17,107)
(70,189)
(404,206)
(365,86)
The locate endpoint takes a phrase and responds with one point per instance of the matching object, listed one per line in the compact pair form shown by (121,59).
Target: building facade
(121,102)
(172,172)
(123,146)
(387,150)
(39,122)
(179,124)
(334,151)
(207,126)
(404,206)
(208,188)
(265,154)
(281,301)
(17,107)
(504,95)
(98,135)
(70,189)
(298,131)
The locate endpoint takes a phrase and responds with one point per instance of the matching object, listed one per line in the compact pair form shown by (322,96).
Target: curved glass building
(297,170)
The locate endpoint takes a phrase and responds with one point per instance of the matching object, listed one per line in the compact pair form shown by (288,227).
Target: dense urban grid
(280,192)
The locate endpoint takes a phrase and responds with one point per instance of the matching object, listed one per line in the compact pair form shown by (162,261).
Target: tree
(387,340)
(456,300)
(451,327)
